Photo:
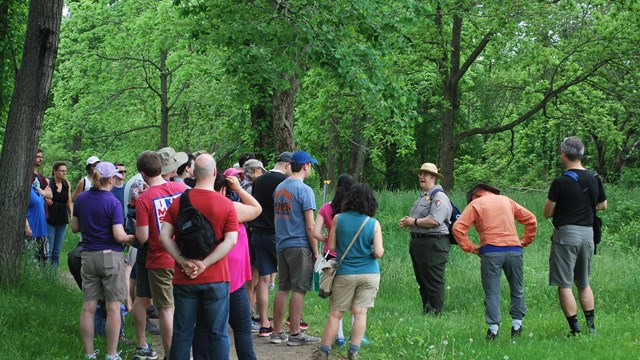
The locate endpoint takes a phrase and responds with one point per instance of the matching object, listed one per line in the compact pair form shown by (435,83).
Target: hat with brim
(285,156)
(92,160)
(107,170)
(232,172)
(301,158)
(478,186)
(171,160)
(430,168)
(252,164)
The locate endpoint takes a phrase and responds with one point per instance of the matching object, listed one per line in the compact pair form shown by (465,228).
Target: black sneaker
(265,331)
(573,333)
(491,336)
(515,333)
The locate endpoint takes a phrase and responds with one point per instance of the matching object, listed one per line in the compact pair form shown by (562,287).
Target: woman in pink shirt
(240,267)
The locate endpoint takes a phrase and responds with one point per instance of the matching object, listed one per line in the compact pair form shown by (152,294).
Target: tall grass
(39,319)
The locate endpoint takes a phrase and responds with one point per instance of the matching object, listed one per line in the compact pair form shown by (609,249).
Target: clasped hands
(193,268)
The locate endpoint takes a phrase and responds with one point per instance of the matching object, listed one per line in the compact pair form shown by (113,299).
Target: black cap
(285,157)
(481,186)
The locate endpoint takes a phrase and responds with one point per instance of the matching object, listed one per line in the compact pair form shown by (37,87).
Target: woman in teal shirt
(358,276)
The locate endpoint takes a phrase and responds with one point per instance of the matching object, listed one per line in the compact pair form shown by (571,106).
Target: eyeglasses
(122,171)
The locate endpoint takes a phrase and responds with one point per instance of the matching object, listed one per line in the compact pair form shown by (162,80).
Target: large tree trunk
(261,123)
(359,148)
(283,120)
(23,130)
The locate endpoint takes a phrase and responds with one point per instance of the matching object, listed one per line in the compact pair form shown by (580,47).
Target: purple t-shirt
(97,211)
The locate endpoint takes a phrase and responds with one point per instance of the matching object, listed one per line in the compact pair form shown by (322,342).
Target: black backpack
(455,214)
(195,236)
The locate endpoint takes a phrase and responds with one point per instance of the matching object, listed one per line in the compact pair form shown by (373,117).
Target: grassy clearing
(39,319)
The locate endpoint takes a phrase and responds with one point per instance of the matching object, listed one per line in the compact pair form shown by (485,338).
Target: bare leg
(359,324)
(165,320)
(331,327)
(296,303)
(567,301)
(113,326)
(586,298)
(87,326)
(279,304)
(262,298)
(140,305)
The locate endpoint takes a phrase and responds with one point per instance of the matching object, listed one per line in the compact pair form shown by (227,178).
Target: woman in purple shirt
(98,216)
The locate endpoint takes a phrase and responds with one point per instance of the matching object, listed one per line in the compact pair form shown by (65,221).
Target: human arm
(79,189)
(166,238)
(120,235)
(461,229)
(309,225)
(69,202)
(378,249)
(549,208)
(526,218)
(332,234)
(27,228)
(249,208)
(602,206)
(142,233)
(75,224)
(199,266)
(317,229)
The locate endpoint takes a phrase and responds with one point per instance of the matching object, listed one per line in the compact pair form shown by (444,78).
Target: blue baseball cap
(301,158)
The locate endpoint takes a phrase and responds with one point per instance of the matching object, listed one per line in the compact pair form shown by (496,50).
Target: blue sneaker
(340,341)
(365,340)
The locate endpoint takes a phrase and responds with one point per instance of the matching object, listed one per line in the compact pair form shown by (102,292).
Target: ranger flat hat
(430,168)
(481,186)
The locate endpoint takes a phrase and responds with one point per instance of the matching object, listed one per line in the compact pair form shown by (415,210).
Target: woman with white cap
(429,246)
(85,183)
(98,215)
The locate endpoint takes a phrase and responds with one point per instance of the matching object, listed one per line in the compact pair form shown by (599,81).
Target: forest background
(484,89)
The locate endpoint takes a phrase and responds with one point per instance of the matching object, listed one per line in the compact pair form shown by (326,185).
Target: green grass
(39,319)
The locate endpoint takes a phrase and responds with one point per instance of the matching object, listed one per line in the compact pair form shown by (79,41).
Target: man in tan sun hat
(171,161)
(429,246)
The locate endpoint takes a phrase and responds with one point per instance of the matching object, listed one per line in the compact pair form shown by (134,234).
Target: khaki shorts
(103,276)
(351,291)
(161,286)
(570,258)
(295,269)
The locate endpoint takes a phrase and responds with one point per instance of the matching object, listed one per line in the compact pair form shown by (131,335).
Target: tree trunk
(359,148)
(23,130)
(164,100)
(283,120)
(261,123)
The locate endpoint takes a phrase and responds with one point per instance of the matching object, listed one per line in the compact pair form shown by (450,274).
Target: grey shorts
(295,269)
(103,275)
(570,259)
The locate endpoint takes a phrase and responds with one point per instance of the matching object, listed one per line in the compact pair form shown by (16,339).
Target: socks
(353,348)
(516,324)
(493,328)
(590,317)
(573,324)
(325,349)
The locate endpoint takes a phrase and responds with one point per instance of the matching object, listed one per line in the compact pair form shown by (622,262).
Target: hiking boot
(302,339)
(320,355)
(303,325)
(265,331)
(113,357)
(352,355)
(152,328)
(277,338)
(592,331)
(145,354)
(515,333)
(573,333)
(491,336)
(91,356)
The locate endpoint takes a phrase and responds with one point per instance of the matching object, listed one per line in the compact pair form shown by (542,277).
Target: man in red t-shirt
(151,208)
(201,286)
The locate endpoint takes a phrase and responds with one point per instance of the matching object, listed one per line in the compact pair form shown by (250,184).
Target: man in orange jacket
(500,249)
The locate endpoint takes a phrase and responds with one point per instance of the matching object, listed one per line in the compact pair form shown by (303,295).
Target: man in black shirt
(572,201)
(263,235)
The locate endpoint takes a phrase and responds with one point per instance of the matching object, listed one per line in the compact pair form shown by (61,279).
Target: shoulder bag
(330,267)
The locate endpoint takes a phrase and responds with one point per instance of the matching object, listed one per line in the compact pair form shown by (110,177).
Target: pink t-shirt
(239,261)
(327,215)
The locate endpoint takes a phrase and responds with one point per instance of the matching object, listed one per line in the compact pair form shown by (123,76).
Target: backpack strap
(184,200)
